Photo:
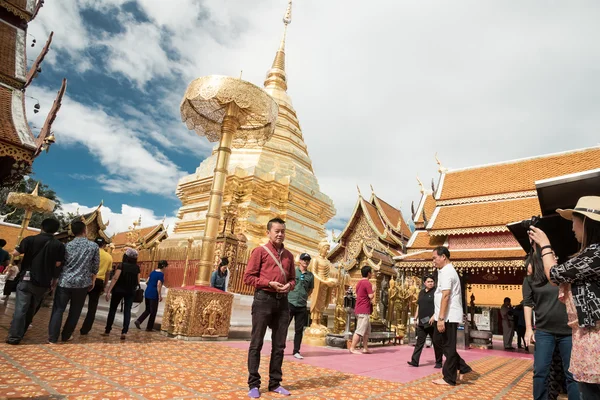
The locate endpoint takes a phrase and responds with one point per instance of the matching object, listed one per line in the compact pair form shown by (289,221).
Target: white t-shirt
(448,280)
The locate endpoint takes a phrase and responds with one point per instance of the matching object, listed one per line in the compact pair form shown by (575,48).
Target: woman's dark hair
(591,230)
(222,273)
(534,258)
(129,260)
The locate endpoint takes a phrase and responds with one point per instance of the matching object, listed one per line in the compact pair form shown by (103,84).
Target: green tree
(27,185)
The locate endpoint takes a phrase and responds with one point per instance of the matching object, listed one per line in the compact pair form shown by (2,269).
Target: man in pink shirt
(271,271)
(364,295)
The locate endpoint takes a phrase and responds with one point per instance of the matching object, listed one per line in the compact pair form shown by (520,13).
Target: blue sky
(378,90)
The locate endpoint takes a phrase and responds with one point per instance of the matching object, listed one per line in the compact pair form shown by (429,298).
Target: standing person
(424,323)
(43,255)
(579,278)
(106,262)
(448,314)
(363,309)
(4,256)
(77,278)
(10,285)
(551,328)
(152,296)
(305,283)
(218,279)
(508,327)
(122,287)
(271,271)
(520,326)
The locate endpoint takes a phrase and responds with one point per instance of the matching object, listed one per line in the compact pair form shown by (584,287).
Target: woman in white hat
(579,278)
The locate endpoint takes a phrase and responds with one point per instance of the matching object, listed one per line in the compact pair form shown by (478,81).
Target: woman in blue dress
(152,296)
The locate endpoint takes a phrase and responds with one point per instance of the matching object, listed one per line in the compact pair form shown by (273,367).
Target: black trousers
(454,362)
(151,310)
(93,298)
(62,297)
(268,310)
(300,315)
(115,299)
(29,299)
(520,335)
(422,332)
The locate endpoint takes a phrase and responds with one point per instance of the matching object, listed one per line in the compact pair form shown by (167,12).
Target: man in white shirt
(448,315)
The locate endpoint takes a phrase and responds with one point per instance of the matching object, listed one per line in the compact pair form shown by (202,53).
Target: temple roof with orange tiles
(18,145)
(469,209)
(140,238)
(95,226)
(375,233)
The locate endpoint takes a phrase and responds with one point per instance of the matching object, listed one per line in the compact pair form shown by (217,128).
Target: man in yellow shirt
(106,263)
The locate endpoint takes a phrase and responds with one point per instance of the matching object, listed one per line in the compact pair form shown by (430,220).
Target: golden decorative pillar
(233,112)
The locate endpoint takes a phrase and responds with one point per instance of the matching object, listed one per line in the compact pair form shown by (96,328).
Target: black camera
(528,223)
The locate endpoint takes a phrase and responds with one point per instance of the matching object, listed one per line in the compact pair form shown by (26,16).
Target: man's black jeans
(422,332)
(29,299)
(62,297)
(268,310)
(93,298)
(454,362)
(300,315)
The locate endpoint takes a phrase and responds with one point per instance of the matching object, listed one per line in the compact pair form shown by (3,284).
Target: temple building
(18,146)
(273,180)
(376,233)
(94,224)
(138,238)
(468,211)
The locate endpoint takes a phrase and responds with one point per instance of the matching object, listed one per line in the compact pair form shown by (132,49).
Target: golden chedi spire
(276,76)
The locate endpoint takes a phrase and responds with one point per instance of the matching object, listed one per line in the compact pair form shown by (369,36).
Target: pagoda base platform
(197,313)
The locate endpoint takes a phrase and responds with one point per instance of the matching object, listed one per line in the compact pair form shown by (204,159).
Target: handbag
(138,297)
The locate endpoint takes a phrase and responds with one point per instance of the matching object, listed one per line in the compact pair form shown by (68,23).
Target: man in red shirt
(364,295)
(271,271)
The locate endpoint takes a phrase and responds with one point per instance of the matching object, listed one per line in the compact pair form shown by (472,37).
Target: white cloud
(380,89)
(133,165)
(121,221)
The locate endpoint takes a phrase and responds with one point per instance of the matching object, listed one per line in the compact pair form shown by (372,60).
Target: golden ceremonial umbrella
(31,203)
(236,113)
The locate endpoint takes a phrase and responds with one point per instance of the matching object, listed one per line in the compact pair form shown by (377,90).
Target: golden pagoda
(264,181)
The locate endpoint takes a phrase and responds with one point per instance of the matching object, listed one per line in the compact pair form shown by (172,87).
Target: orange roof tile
(121,239)
(424,241)
(457,255)
(516,176)
(393,215)
(372,213)
(485,214)
(8,44)
(8,131)
(428,207)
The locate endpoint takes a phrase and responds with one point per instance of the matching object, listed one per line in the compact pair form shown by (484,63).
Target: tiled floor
(150,366)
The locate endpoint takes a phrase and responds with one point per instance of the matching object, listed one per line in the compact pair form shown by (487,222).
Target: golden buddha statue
(324,282)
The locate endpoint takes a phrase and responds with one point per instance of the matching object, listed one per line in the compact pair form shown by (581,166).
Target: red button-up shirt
(262,269)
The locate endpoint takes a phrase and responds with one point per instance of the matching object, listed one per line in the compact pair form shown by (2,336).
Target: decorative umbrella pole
(30,202)
(234,113)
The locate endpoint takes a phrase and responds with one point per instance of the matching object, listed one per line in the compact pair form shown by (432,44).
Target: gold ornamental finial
(359,193)
(441,168)
(276,75)
(421,185)
(287,19)
(36,190)
(372,190)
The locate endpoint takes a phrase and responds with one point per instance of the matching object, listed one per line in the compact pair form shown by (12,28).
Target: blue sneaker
(281,390)
(254,393)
